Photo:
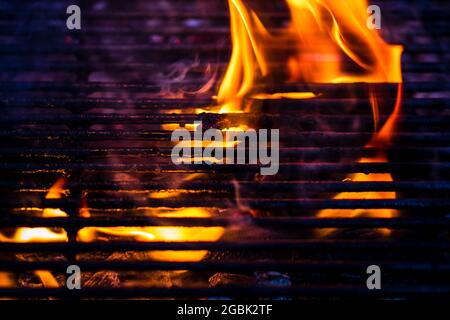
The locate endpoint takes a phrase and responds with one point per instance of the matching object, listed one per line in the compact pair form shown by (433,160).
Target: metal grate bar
(279,221)
(326,245)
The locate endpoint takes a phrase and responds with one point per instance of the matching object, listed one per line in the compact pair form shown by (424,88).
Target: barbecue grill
(89,113)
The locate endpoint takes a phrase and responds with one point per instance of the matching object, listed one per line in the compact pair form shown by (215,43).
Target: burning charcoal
(41,278)
(129,256)
(29,280)
(223,279)
(275,279)
(157,278)
(103,279)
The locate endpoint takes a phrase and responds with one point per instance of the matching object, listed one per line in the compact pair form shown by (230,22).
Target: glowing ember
(372,213)
(284,95)
(26,235)
(381,141)
(325,35)
(156,234)
(6,280)
(142,234)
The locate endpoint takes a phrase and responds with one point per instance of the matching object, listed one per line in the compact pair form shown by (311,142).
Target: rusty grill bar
(72,101)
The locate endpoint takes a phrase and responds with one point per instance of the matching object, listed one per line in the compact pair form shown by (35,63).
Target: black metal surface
(89,105)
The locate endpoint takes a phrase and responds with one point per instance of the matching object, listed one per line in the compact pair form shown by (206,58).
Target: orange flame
(331,32)
(143,234)
(156,234)
(331,43)
(327,37)
(26,235)
(6,280)
(380,141)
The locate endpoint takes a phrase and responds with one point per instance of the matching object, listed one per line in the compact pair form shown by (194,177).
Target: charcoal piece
(103,279)
(224,279)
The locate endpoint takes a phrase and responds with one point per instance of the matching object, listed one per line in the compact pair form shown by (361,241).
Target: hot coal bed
(87,177)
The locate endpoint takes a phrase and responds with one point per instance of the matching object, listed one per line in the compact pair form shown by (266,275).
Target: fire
(330,32)
(160,233)
(142,234)
(27,235)
(326,37)
(380,141)
(6,280)
(374,213)
(157,234)
(331,43)
(328,42)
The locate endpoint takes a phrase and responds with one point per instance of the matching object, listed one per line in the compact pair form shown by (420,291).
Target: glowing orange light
(27,235)
(332,44)
(165,234)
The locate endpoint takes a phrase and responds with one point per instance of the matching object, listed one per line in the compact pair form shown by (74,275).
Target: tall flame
(331,43)
(329,33)
(248,56)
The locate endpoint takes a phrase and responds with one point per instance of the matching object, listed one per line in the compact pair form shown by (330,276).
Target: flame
(373,213)
(157,234)
(141,234)
(57,191)
(160,234)
(24,235)
(6,280)
(326,37)
(284,95)
(247,58)
(330,32)
(380,141)
(331,43)
(194,143)
(27,235)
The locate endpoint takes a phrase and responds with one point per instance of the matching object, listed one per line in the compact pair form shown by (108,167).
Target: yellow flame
(331,44)
(381,141)
(165,234)
(284,95)
(27,235)
(247,58)
(6,280)
(327,36)
(331,32)
(369,213)
(141,234)
(57,191)
(47,279)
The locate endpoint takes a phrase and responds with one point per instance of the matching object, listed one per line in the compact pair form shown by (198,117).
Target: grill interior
(97,107)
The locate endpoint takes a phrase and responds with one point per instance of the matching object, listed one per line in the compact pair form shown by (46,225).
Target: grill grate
(90,106)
